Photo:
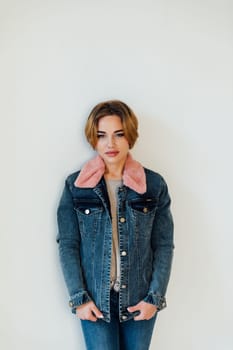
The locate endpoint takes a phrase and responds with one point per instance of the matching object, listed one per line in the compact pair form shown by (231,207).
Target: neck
(113,172)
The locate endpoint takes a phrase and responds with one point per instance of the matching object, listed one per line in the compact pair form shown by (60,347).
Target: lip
(112,153)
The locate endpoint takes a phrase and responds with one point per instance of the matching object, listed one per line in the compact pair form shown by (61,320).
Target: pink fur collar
(133,175)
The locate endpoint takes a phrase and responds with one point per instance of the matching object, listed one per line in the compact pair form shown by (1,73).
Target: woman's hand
(88,311)
(147,311)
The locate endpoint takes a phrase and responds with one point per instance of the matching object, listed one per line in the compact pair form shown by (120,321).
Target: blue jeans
(128,335)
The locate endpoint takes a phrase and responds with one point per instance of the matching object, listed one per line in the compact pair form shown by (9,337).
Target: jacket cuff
(78,299)
(156,300)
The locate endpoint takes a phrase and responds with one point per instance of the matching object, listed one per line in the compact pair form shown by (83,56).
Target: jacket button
(145,210)
(87,211)
(71,304)
(122,220)
(124,317)
(123,253)
(123,286)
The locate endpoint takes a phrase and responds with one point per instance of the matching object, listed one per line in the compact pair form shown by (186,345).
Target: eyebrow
(104,132)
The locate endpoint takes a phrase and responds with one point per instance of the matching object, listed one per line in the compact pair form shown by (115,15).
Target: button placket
(123,246)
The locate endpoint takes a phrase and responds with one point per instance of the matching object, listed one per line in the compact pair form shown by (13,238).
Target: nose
(111,141)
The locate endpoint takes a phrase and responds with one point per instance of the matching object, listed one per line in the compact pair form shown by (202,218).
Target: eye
(100,135)
(120,134)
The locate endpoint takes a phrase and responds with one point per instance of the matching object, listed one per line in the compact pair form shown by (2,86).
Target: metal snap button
(124,253)
(87,211)
(145,210)
(122,220)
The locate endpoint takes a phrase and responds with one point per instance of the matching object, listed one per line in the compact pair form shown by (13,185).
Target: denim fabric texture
(145,228)
(117,335)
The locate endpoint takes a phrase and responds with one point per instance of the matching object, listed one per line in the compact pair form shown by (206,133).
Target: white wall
(171,61)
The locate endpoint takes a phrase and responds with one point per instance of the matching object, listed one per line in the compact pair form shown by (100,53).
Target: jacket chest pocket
(143,213)
(89,214)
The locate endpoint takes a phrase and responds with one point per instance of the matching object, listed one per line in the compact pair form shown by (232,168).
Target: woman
(115,236)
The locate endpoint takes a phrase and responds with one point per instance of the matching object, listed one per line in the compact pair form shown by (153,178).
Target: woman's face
(112,144)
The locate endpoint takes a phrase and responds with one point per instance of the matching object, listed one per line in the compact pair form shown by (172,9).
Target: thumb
(132,308)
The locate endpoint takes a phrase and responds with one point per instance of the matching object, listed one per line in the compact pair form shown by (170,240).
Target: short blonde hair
(112,107)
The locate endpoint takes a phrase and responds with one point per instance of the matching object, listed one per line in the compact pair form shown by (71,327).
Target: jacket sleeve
(163,246)
(68,239)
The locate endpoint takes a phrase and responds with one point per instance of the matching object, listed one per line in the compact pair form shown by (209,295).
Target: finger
(133,308)
(88,316)
(139,317)
(144,316)
(97,312)
(91,317)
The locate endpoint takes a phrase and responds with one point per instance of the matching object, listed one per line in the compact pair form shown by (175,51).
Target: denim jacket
(145,229)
